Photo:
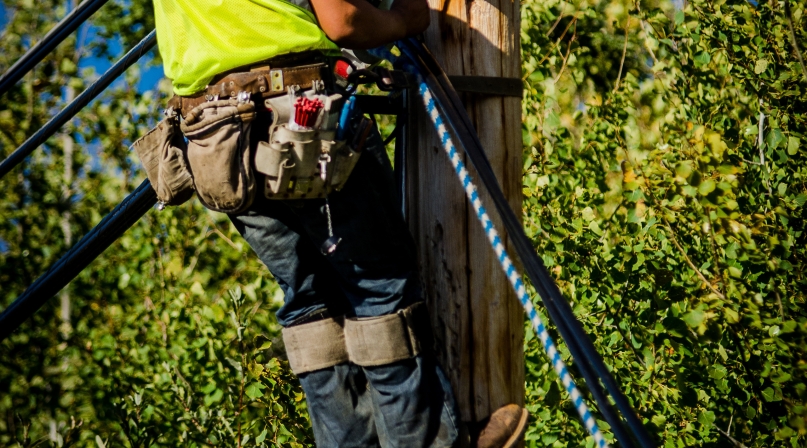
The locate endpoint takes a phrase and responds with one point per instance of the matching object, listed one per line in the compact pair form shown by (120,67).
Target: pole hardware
(488,85)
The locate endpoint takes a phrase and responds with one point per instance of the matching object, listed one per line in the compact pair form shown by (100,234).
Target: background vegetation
(664,181)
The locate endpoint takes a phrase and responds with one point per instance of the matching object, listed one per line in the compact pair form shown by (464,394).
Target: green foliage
(673,225)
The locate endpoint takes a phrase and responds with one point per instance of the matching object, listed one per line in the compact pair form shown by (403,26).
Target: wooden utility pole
(477,319)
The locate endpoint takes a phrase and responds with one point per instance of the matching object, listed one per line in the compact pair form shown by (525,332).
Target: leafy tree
(664,177)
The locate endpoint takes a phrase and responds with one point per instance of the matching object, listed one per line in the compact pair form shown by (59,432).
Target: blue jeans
(372,273)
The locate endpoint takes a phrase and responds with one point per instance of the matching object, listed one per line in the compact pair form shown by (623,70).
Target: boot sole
(518,434)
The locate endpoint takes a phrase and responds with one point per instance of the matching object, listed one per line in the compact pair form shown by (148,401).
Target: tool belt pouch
(293,161)
(162,152)
(219,154)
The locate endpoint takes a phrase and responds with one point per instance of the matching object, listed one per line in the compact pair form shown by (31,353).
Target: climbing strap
(376,341)
(316,345)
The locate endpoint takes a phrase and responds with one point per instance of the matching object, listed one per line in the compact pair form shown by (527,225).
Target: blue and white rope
(507,265)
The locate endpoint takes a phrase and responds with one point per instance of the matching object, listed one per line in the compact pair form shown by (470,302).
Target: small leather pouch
(294,161)
(219,154)
(162,152)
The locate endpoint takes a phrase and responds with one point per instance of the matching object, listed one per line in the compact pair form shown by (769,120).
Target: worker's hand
(356,24)
(414,13)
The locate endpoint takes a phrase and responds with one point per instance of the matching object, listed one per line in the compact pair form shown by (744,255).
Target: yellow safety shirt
(199,39)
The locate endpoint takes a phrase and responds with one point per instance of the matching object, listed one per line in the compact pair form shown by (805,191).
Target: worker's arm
(356,24)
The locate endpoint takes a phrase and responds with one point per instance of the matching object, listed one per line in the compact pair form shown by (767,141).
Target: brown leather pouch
(219,154)
(162,152)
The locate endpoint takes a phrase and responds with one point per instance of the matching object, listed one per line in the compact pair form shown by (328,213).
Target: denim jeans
(372,273)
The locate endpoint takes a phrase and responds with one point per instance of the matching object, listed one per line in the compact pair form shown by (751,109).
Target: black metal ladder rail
(55,36)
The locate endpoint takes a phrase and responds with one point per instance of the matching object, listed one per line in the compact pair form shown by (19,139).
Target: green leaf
(774,138)
(679,17)
(68,67)
(781,377)
(722,352)
(549,439)
(683,170)
(717,371)
(261,437)
(552,121)
(792,145)
(694,318)
(702,58)
(706,419)
(769,394)
(761,66)
(659,420)
(123,281)
(197,289)
(254,390)
(215,397)
(706,187)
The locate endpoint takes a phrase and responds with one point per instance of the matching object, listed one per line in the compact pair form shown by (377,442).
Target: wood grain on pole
(477,319)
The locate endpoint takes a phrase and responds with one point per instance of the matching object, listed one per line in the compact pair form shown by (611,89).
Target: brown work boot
(504,428)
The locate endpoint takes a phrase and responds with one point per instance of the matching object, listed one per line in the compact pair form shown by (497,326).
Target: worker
(269,136)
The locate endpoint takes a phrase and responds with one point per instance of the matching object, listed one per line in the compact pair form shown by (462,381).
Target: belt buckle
(276,79)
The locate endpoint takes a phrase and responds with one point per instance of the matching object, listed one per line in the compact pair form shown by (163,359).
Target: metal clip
(324,160)
(243,96)
(276,77)
(161,206)
(389,80)
(170,112)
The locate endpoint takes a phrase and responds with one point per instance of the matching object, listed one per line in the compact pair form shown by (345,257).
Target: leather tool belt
(264,81)
(240,137)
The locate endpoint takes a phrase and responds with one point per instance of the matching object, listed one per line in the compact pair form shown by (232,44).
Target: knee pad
(368,341)
(316,345)
(375,341)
